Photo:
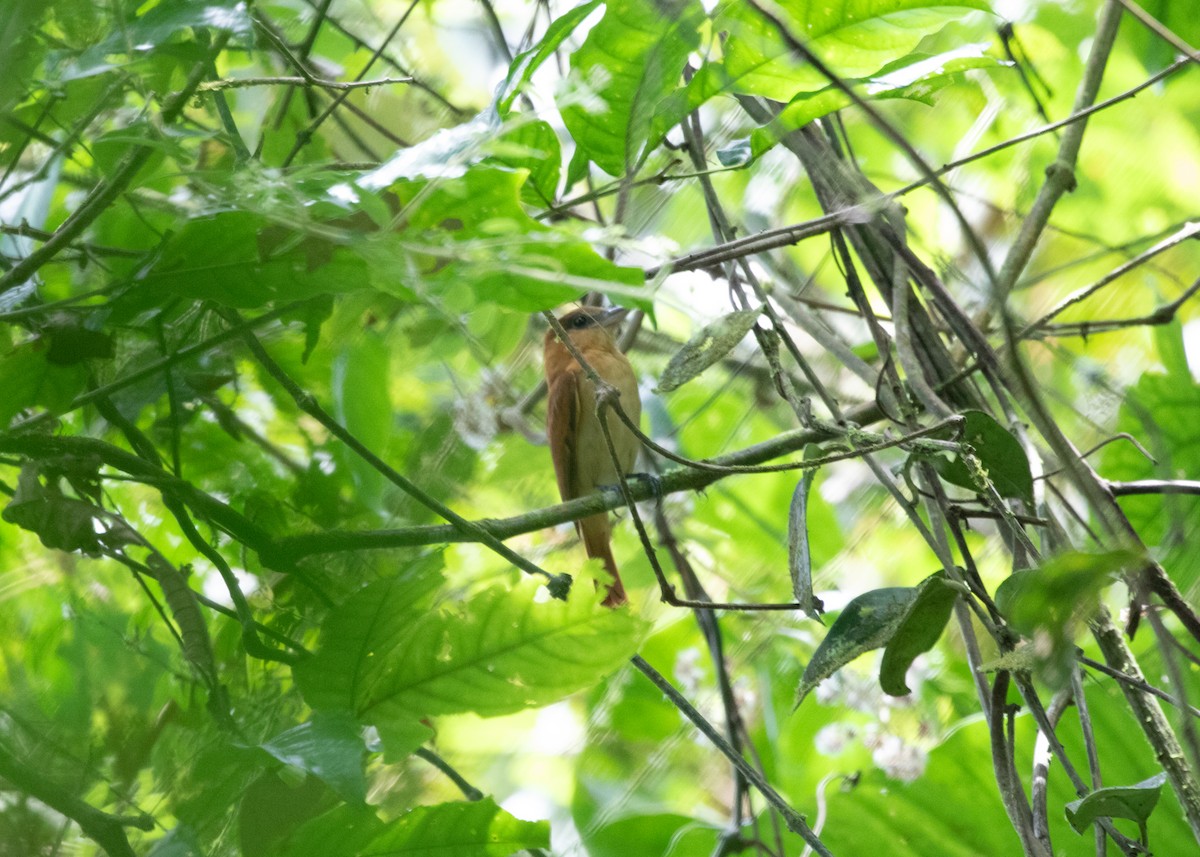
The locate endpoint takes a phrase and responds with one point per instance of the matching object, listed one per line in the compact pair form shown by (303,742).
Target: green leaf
(1000,454)
(1134,802)
(362,403)
(476,829)
(348,660)
(631,61)
(706,347)
(401,739)
(241,259)
(868,622)
(799,555)
(531,146)
(855,40)
(916,77)
(345,831)
(920,628)
(527,62)
(1050,604)
(471,232)
(330,747)
(496,653)
(28,379)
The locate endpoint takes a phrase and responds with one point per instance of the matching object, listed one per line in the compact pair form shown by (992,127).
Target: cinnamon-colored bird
(581,458)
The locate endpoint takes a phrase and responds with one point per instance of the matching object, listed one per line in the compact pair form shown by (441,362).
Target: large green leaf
(1134,802)
(855,38)
(349,661)
(496,653)
(1050,604)
(467,238)
(630,62)
(241,259)
(1004,461)
(477,829)
(330,747)
(916,77)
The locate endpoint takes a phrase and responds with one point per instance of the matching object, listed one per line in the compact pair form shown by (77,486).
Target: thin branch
(315,82)
(794,820)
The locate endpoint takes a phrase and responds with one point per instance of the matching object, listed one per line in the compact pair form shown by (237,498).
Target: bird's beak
(614,316)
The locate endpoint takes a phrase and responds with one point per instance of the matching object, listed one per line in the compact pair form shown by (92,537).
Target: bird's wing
(562,412)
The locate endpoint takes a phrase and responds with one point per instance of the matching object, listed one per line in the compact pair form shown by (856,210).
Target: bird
(582,462)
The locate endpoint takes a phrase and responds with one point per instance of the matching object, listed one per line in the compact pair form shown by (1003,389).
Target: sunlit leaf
(920,628)
(629,63)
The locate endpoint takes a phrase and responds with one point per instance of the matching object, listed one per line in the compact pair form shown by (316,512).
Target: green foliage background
(225,631)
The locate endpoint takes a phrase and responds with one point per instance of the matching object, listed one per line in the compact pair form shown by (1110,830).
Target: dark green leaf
(1134,802)
(920,628)
(330,747)
(240,259)
(363,404)
(866,623)
(1000,455)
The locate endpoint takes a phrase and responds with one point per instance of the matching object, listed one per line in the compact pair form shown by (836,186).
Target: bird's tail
(596,533)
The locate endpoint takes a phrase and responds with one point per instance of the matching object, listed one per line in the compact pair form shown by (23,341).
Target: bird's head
(590,326)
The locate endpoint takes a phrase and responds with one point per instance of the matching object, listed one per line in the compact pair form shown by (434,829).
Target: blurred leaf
(998,451)
(476,829)
(494,654)
(361,375)
(706,347)
(920,628)
(240,259)
(401,739)
(531,146)
(868,622)
(628,65)
(349,660)
(330,747)
(526,63)
(855,40)
(28,379)
(916,77)
(471,232)
(1134,802)
(1050,604)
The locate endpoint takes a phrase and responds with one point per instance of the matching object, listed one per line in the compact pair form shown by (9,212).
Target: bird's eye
(580,321)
